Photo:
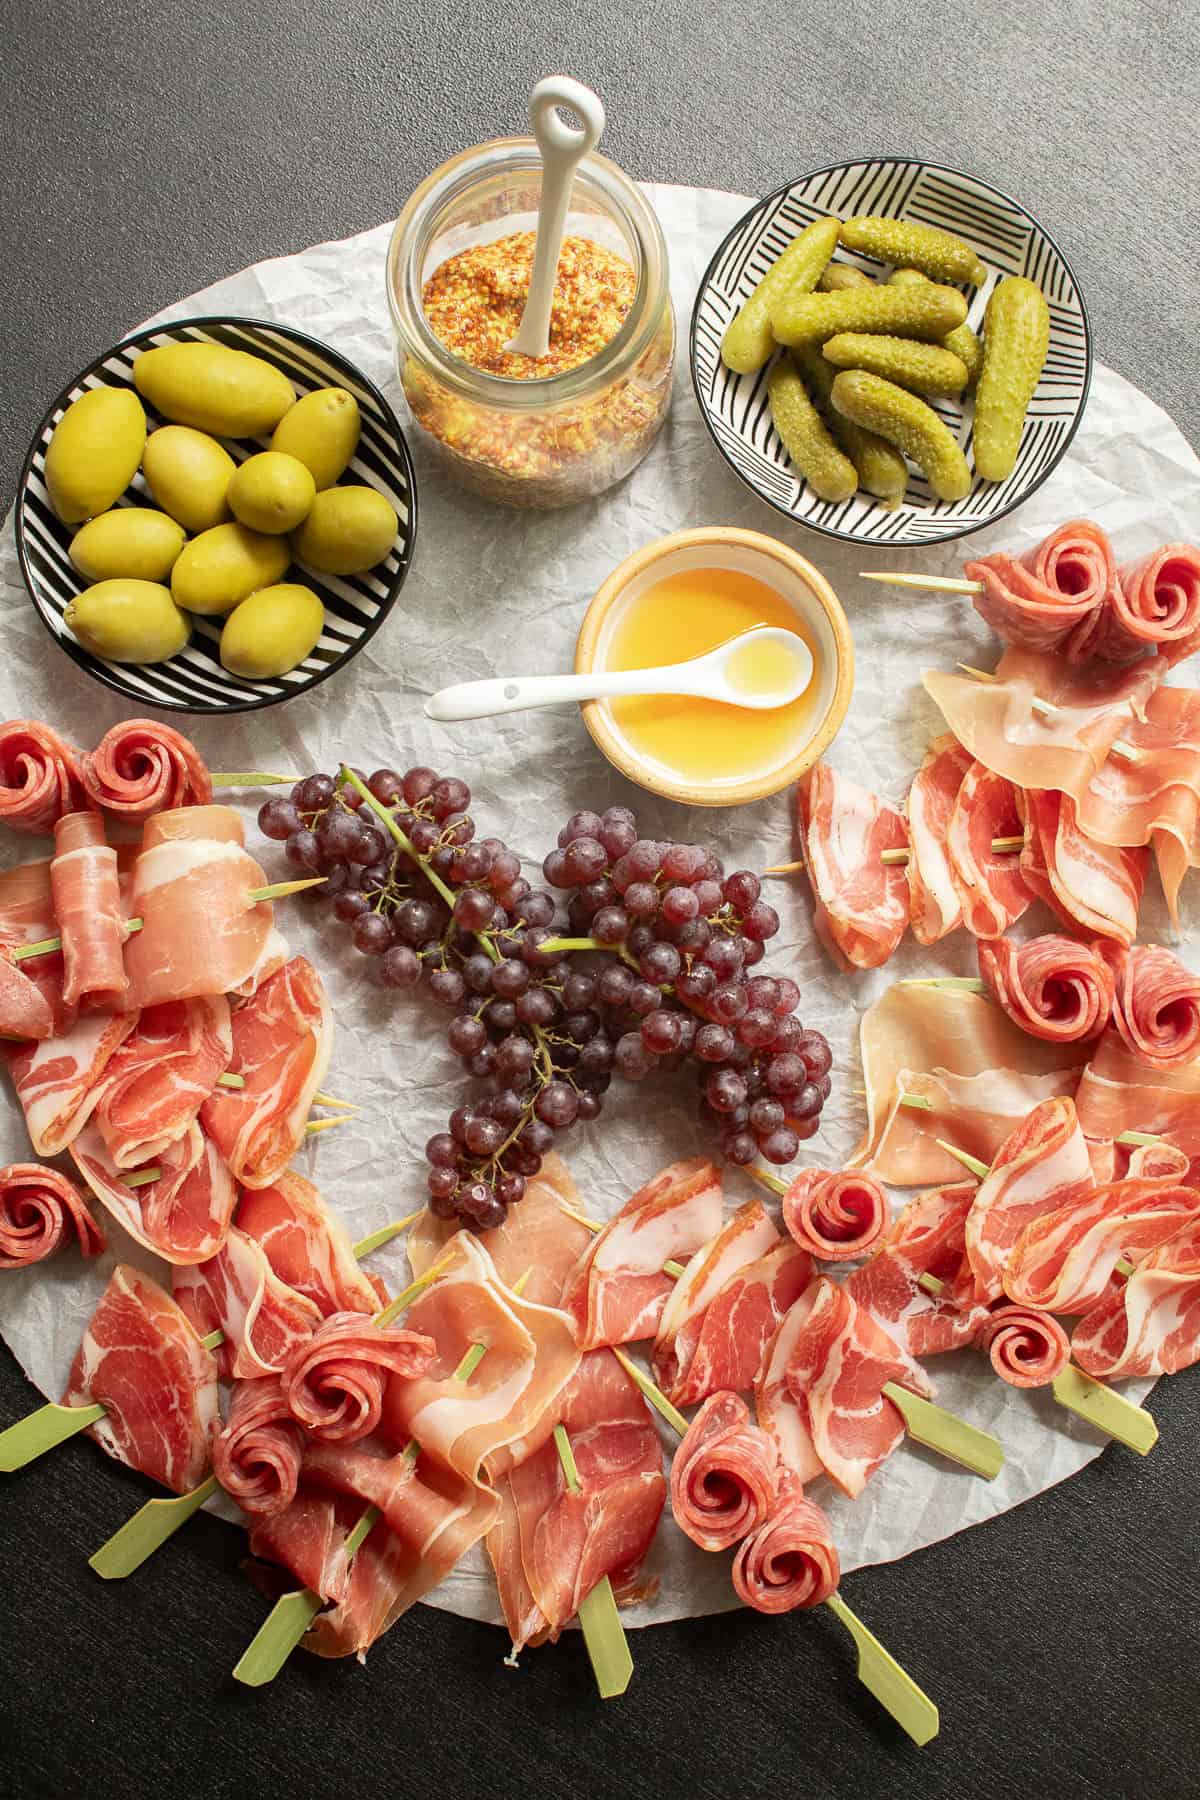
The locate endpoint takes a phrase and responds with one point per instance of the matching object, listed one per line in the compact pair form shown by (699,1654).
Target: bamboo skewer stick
(922,1103)
(278,890)
(934,584)
(1046,710)
(1001,846)
(249,778)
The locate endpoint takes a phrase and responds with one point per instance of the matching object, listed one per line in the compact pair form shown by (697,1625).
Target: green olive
(188,473)
(228,392)
(272,631)
(94,453)
(271,492)
(220,567)
(128,621)
(348,530)
(321,431)
(130,540)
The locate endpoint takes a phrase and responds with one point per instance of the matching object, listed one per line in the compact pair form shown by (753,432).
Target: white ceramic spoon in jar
(562,148)
(759,669)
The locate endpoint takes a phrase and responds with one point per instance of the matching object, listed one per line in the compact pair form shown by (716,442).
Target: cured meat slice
(1152,1325)
(275,953)
(1027,1348)
(87,905)
(835,1215)
(775,1407)
(1118,1092)
(256,1457)
(739,1323)
(724,1476)
(155,1084)
(618,1290)
(201,934)
(979,1072)
(238,1292)
(1157,1162)
(143,1362)
(934,905)
(58,1079)
(1090,886)
(1051,594)
(25,1012)
(1064,1262)
(334,1381)
(184,1215)
(308,1246)
(791,1561)
(991,888)
(862,902)
(141,767)
(928,1238)
(1155,605)
(31,1000)
(282,1039)
(308,1536)
(39,1210)
(1052,987)
(41,776)
(748,1235)
(1041,1167)
(841,1361)
(1157,1007)
(998,723)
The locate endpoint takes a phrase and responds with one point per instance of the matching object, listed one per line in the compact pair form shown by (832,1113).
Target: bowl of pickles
(890,352)
(216,515)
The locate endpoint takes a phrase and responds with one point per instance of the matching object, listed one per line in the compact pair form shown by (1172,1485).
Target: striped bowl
(355,606)
(1008,241)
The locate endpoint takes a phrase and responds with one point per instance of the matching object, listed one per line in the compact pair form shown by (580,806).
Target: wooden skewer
(1001,846)
(250,778)
(935,584)
(278,890)
(1045,710)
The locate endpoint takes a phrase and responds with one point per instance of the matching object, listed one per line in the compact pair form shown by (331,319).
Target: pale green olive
(228,392)
(271,492)
(220,567)
(321,431)
(130,540)
(349,529)
(188,473)
(128,621)
(94,452)
(272,631)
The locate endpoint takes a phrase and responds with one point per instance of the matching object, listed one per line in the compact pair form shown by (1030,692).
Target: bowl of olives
(216,515)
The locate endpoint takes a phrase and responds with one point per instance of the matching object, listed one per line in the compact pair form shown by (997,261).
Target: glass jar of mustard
(534,433)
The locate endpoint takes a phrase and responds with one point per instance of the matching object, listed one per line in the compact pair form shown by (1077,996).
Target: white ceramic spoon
(726,673)
(562,147)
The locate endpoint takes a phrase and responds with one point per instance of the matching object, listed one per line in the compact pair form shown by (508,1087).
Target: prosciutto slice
(1040,1168)
(1065,1261)
(256,1456)
(333,1382)
(934,905)
(740,1322)
(835,1216)
(1152,1325)
(237,1292)
(41,776)
(1155,605)
(538,1241)
(841,1361)
(155,1084)
(142,1361)
(58,1079)
(862,903)
(618,1290)
(141,767)
(991,888)
(201,934)
(724,1476)
(928,1238)
(1052,987)
(1157,1007)
(87,904)
(775,1407)
(282,1039)
(39,1210)
(997,722)
(1052,595)
(308,1246)
(790,1562)
(184,1215)
(31,1002)
(1027,1348)
(25,1011)
(1118,1092)
(748,1235)
(1091,886)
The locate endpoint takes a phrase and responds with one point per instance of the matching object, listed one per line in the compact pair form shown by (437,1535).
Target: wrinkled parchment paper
(494,591)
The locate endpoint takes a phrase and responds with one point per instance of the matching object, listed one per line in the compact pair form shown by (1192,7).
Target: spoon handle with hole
(562,148)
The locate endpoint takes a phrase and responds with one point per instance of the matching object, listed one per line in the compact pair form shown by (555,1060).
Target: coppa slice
(142,1361)
(1090,886)
(87,905)
(156,1083)
(991,888)
(1041,1168)
(928,1238)
(308,1246)
(739,1322)
(862,902)
(184,1215)
(1150,1326)
(58,1079)
(748,1235)
(934,902)
(1157,1010)
(1064,1261)
(237,1291)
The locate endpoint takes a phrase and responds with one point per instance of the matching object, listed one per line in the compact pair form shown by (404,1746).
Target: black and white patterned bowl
(1008,241)
(355,606)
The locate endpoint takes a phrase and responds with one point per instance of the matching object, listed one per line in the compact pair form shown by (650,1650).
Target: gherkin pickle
(839,276)
(922,312)
(881,469)
(961,341)
(808,443)
(936,253)
(908,423)
(927,368)
(748,340)
(1016,337)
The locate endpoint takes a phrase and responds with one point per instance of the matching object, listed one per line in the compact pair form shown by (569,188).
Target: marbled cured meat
(1118,1092)
(1151,1326)
(1027,1348)
(256,1456)
(1157,1007)
(835,1215)
(41,776)
(739,1322)
(791,1561)
(334,1380)
(308,1246)
(154,1086)
(1052,987)
(141,767)
(182,1216)
(1155,605)
(1064,1262)
(25,1012)
(58,1079)
(31,997)
(745,1237)
(1042,1166)
(1092,887)
(927,1238)
(87,905)
(237,1292)
(934,905)
(39,1210)
(862,902)
(991,887)
(1049,596)
(775,1407)
(724,1475)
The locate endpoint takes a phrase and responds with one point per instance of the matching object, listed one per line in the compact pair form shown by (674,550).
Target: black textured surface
(147,150)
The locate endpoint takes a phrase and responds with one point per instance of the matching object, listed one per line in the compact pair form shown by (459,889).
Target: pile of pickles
(861,359)
(221,536)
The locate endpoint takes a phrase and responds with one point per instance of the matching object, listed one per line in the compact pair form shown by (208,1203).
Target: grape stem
(552,946)
(769,1180)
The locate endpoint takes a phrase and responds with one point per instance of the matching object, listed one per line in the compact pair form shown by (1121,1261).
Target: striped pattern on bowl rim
(1009,241)
(355,606)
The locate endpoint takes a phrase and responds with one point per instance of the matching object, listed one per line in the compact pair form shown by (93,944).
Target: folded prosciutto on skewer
(791,1561)
(991,888)
(1052,987)
(1154,605)
(1042,1167)
(256,1455)
(927,1238)
(933,898)
(239,1293)
(862,902)
(143,1361)
(39,1210)
(334,1381)
(1157,1007)
(41,776)
(1119,1092)
(1151,1324)
(1049,597)
(725,1347)
(31,997)
(183,1215)
(58,1079)
(775,1406)
(141,767)
(88,907)
(835,1215)
(1064,1261)
(724,1475)
(1092,887)
(155,1084)
(308,1246)
(1026,1347)
(25,1011)
(684,1353)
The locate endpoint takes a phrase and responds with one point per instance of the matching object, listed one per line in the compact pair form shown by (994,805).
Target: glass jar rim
(405,257)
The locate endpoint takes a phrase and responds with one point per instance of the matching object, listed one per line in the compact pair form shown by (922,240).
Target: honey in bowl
(706,743)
